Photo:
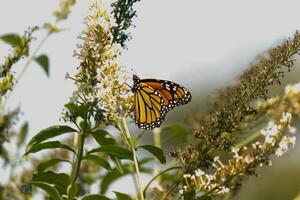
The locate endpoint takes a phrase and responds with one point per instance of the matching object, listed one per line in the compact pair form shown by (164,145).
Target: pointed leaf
(12,39)
(78,110)
(22,134)
(43,61)
(117,162)
(177,130)
(48,188)
(113,175)
(103,137)
(99,161)
(72,107)
(59,180)
(114,150)
(157,152)
(95,197)
(122,196)
(48,163)
(48,133)
(47,145)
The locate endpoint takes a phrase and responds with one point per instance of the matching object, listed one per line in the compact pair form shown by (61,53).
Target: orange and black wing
(154,99)
(149,108)
(172,93)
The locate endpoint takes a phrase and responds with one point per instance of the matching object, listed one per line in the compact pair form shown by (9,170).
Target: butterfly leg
(123,93)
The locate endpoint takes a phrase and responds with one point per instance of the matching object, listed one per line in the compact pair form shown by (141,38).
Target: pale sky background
(199,44)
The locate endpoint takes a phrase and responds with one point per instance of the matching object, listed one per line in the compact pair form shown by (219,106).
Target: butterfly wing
(154,99)
(172,93)
(149,107)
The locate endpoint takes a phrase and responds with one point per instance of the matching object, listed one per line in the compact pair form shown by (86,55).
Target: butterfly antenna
(124,83)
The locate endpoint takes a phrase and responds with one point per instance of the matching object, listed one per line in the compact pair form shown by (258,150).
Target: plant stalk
(248,140)
(157,143)
(126,135)
(27,63)
(76,165)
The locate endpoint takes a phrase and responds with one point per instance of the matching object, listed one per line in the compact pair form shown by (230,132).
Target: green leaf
(95,197)
(122,196)
(59,180)
(99,161)
(12,39)
(72,191)
(26,188)
(48,188)
(78,110)
(48,163)
(204,198)
(114,150)
(22,134)
(71,107)
(85,126)
(114,174)
(177,129)
(48,133)
(157,152)
(43,61)
(103,137)
(48,145)
(189,195)
(117,162)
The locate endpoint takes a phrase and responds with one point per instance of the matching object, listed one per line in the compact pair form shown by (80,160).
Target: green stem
(248,140)
(76,165)
(157,142)
(126,135)
(157,176)
(165,196)
(27,63)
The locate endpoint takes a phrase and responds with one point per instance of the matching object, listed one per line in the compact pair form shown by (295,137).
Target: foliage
(20,49)
(222,128)
(123,13)
(17,138)
(218,129)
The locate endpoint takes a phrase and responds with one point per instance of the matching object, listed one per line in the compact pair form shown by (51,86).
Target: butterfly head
(136,81)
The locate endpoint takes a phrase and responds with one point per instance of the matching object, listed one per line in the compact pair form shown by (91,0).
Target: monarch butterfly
(153,99)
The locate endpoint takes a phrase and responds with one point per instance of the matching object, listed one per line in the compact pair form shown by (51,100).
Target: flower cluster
(217,131)
(123,14)
(225,176)
(64,9)
(6,84)
(289,101)
(60,13)
(20,50)
(6,121)
(100,78)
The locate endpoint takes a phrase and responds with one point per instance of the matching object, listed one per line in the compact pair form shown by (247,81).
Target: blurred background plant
(13,162)
(207,156)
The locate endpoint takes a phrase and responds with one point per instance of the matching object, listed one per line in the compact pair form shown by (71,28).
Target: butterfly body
(153,99)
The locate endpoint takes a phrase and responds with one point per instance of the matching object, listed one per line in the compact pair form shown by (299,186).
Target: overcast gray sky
(197,43)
